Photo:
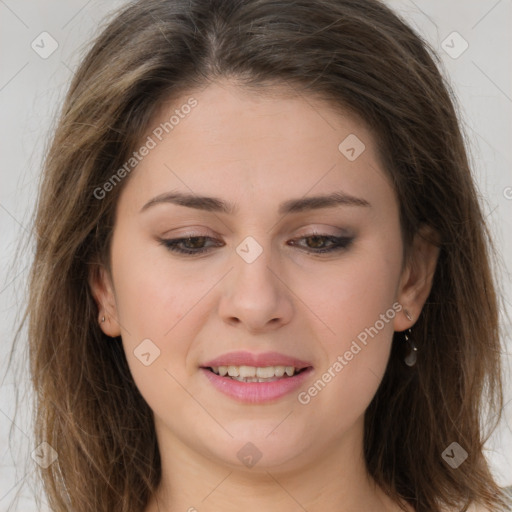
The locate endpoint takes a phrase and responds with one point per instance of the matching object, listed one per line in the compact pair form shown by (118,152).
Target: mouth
(256,374)
(257,384)
(256,378)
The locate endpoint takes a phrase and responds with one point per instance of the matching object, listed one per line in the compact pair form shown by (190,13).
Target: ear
(102,289)
(417,276)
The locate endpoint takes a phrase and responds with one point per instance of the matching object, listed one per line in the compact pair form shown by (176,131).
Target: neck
(335,480)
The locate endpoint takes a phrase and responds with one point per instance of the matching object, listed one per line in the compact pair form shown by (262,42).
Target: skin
(258,151)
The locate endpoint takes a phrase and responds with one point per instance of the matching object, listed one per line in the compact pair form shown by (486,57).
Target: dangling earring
(410,358)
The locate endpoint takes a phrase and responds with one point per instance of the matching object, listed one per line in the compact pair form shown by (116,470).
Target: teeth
(265,373)
(254,374)
(290,370)
(279,371)
(245,371)
(233,371)
(253,379)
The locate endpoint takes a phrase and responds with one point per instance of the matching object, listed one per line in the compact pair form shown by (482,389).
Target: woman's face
(262,293)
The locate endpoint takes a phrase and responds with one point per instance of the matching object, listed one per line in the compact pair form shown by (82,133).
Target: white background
(31,88)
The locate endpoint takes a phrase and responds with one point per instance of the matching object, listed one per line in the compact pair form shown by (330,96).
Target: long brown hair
(359,56)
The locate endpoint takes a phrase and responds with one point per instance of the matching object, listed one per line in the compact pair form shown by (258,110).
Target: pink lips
(256,392)
(242,358)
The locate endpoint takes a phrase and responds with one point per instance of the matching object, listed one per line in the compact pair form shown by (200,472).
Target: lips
(229,375)
(257,392)
(243,358)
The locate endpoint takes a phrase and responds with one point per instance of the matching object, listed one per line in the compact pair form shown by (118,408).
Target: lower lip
(256,392)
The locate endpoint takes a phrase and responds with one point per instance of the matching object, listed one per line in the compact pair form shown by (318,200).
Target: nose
(255,295)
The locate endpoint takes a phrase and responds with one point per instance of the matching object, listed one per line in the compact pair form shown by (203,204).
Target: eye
(318,240)
(315,243)
(197,242)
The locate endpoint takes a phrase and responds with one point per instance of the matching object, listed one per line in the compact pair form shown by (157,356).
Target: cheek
(152,295)
(157,316)
(351,296)
(356,303)
(155,310)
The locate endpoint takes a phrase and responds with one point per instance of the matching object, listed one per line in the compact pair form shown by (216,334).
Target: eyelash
(340,243)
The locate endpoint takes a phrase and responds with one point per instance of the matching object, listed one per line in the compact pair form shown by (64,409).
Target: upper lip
(242,358)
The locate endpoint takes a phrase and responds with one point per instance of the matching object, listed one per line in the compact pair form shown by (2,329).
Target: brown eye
(189,245)
(315,243)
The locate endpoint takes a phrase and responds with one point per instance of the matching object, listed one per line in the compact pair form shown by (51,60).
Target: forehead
(250,146)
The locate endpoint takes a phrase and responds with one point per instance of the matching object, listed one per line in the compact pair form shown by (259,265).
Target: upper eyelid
(179,238)
(303,231)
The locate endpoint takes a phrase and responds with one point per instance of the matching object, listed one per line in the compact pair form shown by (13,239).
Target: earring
(102,319)
(410,358)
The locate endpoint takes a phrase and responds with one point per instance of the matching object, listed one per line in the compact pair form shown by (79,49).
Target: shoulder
(478,508)
(474,507)
(481,508)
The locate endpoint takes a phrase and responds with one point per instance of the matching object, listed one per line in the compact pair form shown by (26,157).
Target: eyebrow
(215,204)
